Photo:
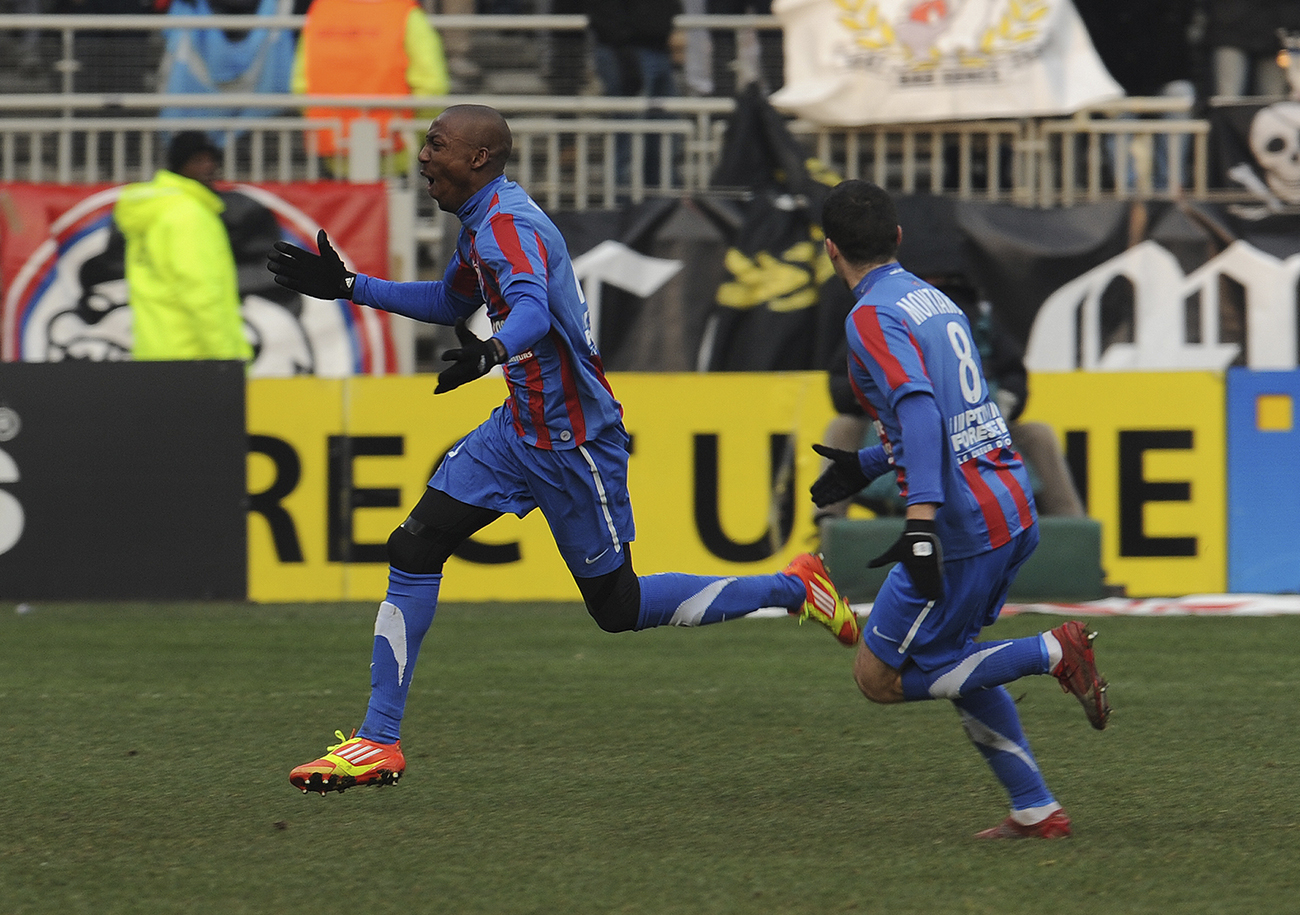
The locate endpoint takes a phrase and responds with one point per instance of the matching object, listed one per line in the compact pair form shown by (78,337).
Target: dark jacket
(638,23)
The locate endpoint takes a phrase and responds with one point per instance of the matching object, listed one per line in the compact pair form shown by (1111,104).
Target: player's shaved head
(482,127)
(466,149)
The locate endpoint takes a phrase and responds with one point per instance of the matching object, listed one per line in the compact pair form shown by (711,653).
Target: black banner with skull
(1258,147)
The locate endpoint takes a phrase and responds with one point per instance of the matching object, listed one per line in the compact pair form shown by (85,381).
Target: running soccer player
(557,443)
(970,522)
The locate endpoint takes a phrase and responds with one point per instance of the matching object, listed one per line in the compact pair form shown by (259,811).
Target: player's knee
(416,555)
(874,691)
(876,680)
(617,612)
(613,600)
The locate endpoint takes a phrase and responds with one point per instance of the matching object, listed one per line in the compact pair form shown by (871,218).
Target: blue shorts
(903,627)
(581,491)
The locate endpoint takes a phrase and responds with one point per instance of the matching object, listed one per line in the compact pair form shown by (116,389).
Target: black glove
(921,552)
(843,478)
(473,360)
(321,276)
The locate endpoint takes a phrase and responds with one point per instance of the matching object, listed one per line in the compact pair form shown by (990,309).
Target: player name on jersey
(926,303)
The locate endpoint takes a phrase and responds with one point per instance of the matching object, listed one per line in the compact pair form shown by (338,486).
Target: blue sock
(985,664)
(404,617)
(993,725)
(676,599)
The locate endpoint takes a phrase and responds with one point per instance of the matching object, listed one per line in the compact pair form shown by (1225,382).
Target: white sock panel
(1053,651)
(1031,815)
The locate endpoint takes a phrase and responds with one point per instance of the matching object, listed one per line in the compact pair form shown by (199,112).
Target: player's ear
(831,250)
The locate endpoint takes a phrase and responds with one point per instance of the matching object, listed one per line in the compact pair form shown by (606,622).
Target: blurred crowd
(1190,48)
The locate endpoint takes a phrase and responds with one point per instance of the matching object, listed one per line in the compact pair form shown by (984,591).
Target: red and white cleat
(1077,672)
(1055,826)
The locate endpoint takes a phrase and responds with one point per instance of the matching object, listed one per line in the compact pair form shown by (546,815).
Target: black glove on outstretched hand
(321,276)
(843,478)
(473,360)
(921,552)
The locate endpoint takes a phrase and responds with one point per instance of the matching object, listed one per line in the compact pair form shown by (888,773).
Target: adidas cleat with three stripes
(823,602)
(352,761)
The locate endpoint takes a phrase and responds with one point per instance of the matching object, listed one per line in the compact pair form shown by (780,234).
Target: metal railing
(582,151)
(567,147)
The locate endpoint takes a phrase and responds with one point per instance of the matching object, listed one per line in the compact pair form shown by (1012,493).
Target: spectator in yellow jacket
(180,272)
(368,47)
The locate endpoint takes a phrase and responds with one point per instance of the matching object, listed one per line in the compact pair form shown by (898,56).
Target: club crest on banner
(950,41)
(851,62)
(68,298)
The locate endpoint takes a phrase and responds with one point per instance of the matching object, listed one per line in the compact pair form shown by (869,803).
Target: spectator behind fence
(632,58)
(367,47)
(26,45)
(1243,36)
(180,271)
(1121,34)
(458,45)
(566,60)
(199,61)
(736,63)
(697,53)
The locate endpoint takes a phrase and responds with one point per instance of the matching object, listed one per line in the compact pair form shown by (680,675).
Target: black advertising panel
(122,481)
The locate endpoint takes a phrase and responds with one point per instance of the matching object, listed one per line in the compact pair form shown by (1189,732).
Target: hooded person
(180,270)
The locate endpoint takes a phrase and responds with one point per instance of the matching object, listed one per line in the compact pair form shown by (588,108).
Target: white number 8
(972,387)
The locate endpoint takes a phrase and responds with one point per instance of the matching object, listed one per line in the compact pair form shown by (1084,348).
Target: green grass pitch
(555,769)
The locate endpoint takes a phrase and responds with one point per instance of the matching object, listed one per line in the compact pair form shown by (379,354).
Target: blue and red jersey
(906,337)
(511,257)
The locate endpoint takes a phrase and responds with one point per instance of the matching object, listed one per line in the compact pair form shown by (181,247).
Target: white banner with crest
(856,62)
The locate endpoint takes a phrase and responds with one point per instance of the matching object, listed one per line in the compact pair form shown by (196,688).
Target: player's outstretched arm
(321,276)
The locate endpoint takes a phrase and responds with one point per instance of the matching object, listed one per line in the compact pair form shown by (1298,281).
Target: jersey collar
(875,276)
(478,205)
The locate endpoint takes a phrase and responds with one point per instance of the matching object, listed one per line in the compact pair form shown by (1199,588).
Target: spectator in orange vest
(368,47)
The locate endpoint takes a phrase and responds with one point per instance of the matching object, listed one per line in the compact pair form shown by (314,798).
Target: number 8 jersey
(904,337)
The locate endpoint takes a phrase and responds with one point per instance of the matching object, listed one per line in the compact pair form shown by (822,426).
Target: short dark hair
(861,219)
(186,145)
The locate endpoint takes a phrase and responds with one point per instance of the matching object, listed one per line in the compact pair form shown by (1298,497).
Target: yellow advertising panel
(1153,445)
(719,477)
(289,421)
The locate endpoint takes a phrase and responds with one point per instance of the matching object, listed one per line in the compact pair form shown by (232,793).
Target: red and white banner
(65,294)
(854,62)
(1191,605)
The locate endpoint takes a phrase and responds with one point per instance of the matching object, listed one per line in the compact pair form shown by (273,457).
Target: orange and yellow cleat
(822,602)
(352,761)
